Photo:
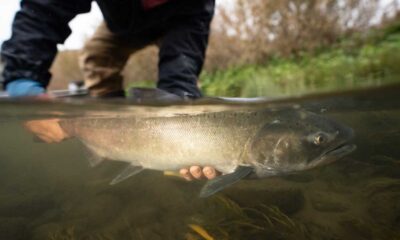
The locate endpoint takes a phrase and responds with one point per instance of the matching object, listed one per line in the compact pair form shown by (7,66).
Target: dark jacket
(42,24)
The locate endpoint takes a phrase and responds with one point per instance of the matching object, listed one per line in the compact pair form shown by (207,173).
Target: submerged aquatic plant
(63,234)
(200,231)
(70,233)
(380,185)
(228,220)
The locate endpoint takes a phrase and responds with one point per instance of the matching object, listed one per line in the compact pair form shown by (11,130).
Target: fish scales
(161,143)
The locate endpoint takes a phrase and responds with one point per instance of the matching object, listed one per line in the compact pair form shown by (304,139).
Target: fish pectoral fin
(91,155)
(95,160)
(126,173)
(217,184)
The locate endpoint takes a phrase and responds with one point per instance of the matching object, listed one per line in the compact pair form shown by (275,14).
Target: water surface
(49,191)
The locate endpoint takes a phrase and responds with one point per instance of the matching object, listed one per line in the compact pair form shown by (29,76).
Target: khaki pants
(103,58)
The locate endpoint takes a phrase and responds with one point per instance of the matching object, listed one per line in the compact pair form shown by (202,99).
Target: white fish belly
(172,147)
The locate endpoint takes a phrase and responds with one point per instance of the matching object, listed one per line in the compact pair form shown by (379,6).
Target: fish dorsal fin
(126,173)
(217,184)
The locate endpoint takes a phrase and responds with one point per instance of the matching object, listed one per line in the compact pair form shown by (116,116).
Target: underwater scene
(51,191)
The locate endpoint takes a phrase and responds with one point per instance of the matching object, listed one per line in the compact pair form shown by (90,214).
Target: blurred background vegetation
(276,48)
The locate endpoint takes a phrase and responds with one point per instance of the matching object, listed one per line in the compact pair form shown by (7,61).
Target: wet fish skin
(270,142)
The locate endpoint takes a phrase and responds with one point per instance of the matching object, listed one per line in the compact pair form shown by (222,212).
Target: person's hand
(47,130)
(24,88)
(196,172)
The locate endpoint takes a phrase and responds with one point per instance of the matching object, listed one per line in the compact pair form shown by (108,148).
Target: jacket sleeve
(183,47)
(37,29)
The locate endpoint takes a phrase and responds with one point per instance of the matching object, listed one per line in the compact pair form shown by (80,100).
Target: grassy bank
(346,66)
(371,60)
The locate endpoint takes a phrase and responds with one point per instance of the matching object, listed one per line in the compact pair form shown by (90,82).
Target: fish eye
(320,139)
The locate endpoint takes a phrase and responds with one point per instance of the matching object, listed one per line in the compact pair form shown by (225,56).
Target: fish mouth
(334,154)
(341,150)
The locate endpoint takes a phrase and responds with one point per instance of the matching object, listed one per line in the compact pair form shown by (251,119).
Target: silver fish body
(268,142)
(170,143)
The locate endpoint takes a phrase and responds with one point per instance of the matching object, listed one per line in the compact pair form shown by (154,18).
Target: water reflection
(50,192)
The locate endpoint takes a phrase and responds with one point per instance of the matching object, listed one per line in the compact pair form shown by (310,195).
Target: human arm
(183,47)
(37,29)
(182,55)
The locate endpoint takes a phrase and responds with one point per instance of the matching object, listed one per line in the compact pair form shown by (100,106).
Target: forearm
(37,29)
(182,53)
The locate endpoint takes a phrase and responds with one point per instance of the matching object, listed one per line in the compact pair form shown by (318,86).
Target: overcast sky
(82,26)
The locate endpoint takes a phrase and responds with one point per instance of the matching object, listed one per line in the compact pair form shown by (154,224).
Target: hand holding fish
(47,130)
(196,172)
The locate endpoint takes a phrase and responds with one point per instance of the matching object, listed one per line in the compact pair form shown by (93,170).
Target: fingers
(186,174)
(209,172)
(196,172)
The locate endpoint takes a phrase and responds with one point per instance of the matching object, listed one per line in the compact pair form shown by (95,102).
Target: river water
(49,191)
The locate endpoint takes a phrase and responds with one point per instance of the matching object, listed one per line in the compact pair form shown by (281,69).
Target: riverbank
(350,64)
